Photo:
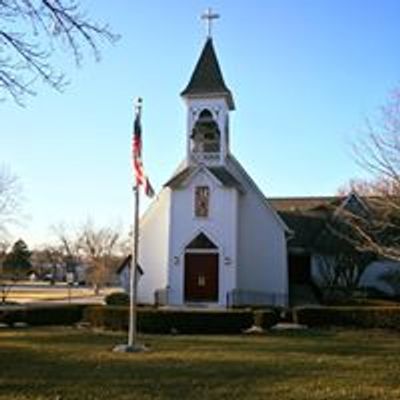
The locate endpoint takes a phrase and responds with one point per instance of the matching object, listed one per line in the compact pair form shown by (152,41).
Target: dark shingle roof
(225,177)
(179,178)
(221,173)
(304,203)
(207,76)
(314,222)
(306,227)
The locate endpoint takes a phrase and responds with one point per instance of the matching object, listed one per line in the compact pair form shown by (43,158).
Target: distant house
(57,272)
(123,273)
(33,276)
(310,220)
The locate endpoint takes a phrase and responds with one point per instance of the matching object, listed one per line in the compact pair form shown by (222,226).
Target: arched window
(206,135)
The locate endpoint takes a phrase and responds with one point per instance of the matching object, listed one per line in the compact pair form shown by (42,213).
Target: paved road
(77,300)
(44,293)
(44,286)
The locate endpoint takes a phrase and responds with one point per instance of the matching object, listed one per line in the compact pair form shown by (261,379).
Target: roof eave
(198,95)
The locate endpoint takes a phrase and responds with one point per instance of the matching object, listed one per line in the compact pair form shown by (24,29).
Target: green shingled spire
(207,77)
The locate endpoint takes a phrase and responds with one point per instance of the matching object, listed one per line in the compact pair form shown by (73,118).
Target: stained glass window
(201,202)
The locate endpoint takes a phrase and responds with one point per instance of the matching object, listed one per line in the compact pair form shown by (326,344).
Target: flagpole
(133,345)
(132,334)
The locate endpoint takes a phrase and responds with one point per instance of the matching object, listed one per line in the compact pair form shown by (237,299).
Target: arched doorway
(201,270)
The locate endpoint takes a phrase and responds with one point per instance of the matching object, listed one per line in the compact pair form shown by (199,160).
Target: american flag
(141,178)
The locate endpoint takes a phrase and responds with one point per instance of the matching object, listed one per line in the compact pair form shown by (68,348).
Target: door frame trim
(202,251)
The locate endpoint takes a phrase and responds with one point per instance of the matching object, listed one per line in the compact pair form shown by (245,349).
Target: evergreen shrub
(355,317)
(117,299)
(68,314)
(171,321)
(10,315)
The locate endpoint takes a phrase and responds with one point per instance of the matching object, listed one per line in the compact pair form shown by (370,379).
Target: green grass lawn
(64,363)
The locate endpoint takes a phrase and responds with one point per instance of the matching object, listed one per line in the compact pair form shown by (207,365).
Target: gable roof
(225,177)
(231,175)
(220,173)
(314,221)
(177,180)
(126,263)
(353,203)
(207,77)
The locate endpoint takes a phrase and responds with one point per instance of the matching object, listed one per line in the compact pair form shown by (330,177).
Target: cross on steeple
(209,16)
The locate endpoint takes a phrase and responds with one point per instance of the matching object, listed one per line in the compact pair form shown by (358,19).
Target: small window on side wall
(202,201)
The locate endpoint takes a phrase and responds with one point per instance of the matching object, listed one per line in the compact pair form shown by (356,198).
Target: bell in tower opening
(206,136)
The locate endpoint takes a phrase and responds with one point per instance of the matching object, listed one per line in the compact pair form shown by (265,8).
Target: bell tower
(209,102)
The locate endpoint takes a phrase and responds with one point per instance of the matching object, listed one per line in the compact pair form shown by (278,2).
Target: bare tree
(379,151)
(67,253)
(31,30)
(10,200)
(100,248)
(5,283)
(362,187)
(378,229)
(68,243)
(46,261)
(341,272)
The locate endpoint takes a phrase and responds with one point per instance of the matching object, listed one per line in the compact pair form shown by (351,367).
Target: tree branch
(26,54)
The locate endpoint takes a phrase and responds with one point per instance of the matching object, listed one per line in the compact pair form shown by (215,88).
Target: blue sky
(304,74)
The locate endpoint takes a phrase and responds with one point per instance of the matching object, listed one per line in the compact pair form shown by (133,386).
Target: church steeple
(207,79)
(209,102)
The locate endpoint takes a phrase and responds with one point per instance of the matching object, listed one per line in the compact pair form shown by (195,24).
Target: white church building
(210,237)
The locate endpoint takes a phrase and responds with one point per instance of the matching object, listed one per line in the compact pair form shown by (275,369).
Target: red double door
(201,277)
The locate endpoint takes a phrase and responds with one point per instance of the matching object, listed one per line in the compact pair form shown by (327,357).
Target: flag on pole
(148,189)
(137,150)
(141,178)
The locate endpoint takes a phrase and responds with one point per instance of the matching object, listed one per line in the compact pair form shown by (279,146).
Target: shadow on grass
(40,363)
(102,374)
